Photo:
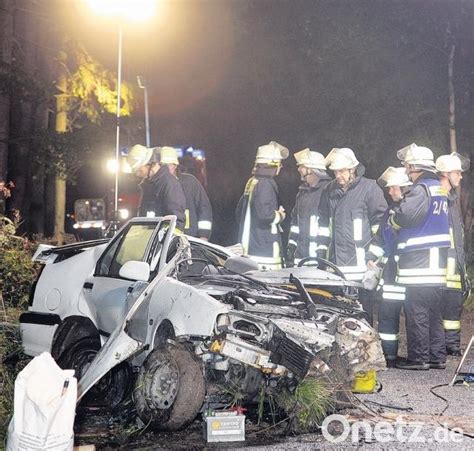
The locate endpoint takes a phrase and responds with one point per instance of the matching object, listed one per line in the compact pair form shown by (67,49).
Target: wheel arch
(162,333)
(72,329)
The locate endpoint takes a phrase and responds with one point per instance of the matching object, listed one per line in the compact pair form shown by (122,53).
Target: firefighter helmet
(343,158)
(452,162)
(312,160)
(168,155)
(271,153)
(394,177)
(418,156)
(137,156)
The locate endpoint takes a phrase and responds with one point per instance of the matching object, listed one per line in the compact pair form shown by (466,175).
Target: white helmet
(417,156)
(312,160)
(394,177)
(137,157)
(168,155)
(271,153)
(453,162)
(342,158)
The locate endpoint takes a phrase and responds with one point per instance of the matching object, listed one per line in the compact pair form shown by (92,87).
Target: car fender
(190,311)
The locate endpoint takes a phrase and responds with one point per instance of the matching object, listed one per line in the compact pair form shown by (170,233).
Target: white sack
(44,408)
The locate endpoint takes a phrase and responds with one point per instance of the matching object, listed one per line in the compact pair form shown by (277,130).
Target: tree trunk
(61,127)
(452,104)
(6,45)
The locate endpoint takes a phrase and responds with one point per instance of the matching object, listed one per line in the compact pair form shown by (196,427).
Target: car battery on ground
(224,426)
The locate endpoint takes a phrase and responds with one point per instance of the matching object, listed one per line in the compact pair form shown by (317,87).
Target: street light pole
(117,140)
(147,117)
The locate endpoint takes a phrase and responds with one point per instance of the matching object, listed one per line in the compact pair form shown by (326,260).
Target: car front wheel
(170,388)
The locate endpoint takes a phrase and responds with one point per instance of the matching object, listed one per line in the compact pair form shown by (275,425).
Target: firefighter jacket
(162,194)
(259,219)
(198,207)
(348,221)
(456,267)
(383,249)
(302,241)
(423,233)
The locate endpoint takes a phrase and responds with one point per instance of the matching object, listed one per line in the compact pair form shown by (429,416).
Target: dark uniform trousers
(425,333)
(453,301)
(389,326)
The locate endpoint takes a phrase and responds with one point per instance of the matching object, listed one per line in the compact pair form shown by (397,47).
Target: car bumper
(37,331)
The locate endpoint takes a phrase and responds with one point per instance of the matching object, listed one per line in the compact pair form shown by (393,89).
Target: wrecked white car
(186,325)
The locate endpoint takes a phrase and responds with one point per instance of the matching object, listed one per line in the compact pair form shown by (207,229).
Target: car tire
(170,388)
(111,389)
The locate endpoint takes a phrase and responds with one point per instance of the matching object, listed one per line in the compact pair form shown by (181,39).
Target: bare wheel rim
(163,382)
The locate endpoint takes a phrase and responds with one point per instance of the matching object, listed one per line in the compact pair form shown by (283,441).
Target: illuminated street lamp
(112,166)
(123,10)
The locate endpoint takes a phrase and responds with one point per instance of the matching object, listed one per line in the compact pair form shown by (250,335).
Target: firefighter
(198,206)
(450,168)
(162,193)
(421,221)
(258,212)
(350,212)
(381,254)
(305,216)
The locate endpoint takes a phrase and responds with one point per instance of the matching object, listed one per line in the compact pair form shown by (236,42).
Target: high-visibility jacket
(259,219)
(348,221)
(198,207)
(423,234)
(456,267)
(305,220)
(162,194)
(383,248)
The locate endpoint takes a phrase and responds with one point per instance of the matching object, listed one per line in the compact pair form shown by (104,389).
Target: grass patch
(309,403)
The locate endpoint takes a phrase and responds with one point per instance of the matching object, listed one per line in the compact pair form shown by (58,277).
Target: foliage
(10,346)
(17,271)
(308,404)
(91,89)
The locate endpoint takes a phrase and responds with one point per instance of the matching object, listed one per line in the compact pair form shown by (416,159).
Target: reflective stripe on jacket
(456,267)
(305,220)
(348,221)
(259,230)
(423,234)
(162,194)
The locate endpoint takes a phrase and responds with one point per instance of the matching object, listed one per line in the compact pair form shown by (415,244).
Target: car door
(105,291)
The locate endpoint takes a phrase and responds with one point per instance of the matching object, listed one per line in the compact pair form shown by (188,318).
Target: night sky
(228,76)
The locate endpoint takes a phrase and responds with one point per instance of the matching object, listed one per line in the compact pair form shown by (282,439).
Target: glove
(371,278)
